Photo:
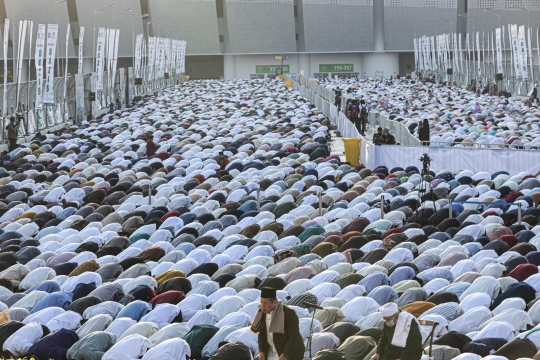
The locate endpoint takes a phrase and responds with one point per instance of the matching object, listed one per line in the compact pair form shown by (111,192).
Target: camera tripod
(425,185)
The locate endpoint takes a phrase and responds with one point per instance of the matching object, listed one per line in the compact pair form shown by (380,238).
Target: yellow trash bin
(352,150)
(186,78)
(288,83)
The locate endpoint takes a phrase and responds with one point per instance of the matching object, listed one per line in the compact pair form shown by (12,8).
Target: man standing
(363,117)
(401,338)
(354,114)
(277,326)
(12,129)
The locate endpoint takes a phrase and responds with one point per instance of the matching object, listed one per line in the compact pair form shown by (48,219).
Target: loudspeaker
(91,96)
(166,76)
(499,77)
(138,81)
(449,71)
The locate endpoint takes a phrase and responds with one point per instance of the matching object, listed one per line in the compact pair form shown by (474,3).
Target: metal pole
(519,213)
(150,194)
(382,207)
(320,204)
(450,209)
(258,200)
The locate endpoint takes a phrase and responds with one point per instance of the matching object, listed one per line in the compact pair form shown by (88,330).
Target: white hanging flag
(38,58)
(529,45)
(498,44)
(138,47)
(425,49)
(460,53)
(100,55)
(81,42)
(456,62)
(52,37)
(115,56)
(67,53)
(110,52)
(478,55)
(6,35)
(515,51)
(151,56)
(20,55)
(522,48)
(161,58)
(434,64)
(183,56)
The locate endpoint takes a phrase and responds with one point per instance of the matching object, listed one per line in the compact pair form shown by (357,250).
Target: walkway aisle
(338,148)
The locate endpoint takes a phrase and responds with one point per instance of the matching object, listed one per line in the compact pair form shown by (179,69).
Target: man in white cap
(401,338)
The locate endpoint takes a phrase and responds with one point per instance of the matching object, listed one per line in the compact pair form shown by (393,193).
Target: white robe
(23,339)
(130,348)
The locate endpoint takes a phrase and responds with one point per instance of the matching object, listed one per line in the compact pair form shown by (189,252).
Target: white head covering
(388,309)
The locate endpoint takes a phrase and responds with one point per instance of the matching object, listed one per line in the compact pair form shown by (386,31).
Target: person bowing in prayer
(278,330)
(401,338)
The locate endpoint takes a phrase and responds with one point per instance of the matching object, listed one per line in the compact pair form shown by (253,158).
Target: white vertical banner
(6,37)
(498,44)
(433,55)
(183,56)
(493,54)
(460,53)
(100,55)
(478,55)
(468,42)
(415,54)
(161,57)
(20,56)
(115,56)
(515,51)
(484,59)
(456,58)
(52,37)
(439,51)
(174,53)
(38,61)
(444,39)
(110,55)
(522,48)
(529,46)
(178,56)
(538,44)
(425,49)
(151,56)
(67,54)
(138,51)
(81,42)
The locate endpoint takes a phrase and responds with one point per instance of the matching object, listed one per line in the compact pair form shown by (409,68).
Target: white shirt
(272,352)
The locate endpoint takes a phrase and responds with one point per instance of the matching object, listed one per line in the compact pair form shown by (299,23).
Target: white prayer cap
(388,309)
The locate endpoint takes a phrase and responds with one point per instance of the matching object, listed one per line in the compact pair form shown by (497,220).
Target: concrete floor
(337,147)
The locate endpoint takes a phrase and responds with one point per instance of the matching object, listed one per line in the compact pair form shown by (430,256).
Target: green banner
(270,69)
(330,68)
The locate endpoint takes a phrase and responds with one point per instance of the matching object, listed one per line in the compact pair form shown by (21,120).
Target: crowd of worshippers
(451,115)
(238,234)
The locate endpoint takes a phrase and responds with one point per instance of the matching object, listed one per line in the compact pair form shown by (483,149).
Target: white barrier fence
(456,159)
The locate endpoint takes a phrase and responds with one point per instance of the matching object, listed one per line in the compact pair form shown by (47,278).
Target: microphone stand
(310,337)
(311,330)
